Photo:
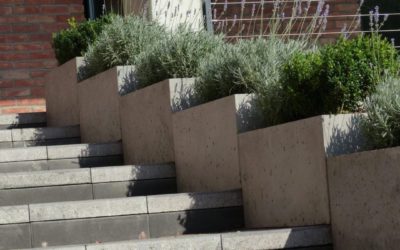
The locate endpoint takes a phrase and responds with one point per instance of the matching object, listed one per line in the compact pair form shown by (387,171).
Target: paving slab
(83,150)
(191,201)
(137,172)
(88,209)
(44,178)
(278,239)
(193,242)
(14,215)
(23,154)
(45,133)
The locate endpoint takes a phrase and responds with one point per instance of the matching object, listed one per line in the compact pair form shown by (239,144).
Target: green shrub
(176,56)
(382,123)
(120,43)
(337,78)
(74,41)
(301,88)
(250,66)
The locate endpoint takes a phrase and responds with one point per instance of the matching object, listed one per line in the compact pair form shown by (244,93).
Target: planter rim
(214,101)
(165,80)
(106,71)
(300,120)
(367,151)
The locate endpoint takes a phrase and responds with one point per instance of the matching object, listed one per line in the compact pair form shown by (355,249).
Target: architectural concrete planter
(283,169)
(146,120)
(365,200)
(62,94)
(99,103)
(206,145)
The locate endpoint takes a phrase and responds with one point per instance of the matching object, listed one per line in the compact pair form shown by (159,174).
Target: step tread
(301,237)
(59,152)
(47,178)
(118,207)
(15,120)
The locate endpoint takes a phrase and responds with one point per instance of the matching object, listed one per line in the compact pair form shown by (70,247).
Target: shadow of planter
(99,103)
(146,120)
(364,193)
(206,145)
(284,173)
(62,94)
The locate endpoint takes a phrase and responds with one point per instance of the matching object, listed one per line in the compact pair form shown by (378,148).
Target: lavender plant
(120,43)
(177,55)
(382,123)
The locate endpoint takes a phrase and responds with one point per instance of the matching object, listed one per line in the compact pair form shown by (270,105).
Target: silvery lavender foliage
(177,55)
(120,43)
(250,66)
(382,123)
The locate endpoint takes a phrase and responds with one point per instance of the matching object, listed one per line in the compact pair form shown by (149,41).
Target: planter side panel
(99,108)
(205,138)
(146,123)
(283,173)
(365,200)
(62,94)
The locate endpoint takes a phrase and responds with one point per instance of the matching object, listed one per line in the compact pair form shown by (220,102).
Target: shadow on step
(207,213)
(23,120)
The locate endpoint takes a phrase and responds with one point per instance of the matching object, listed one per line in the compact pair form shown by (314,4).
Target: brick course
(26,54)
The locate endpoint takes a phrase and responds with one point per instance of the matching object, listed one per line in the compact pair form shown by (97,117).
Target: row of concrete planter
(283,170)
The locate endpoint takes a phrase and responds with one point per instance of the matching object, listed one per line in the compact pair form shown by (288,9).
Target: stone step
(85,184)
(301,238)
(84,222)
(23,120)
(60,157)
(25,137)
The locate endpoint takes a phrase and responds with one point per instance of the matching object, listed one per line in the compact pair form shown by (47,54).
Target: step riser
(119,228)
(73,163)
(53,142)
(13,197)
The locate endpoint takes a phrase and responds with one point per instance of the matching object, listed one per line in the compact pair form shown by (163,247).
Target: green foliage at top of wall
(75,40)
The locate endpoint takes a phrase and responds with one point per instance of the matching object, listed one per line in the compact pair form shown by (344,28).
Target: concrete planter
(146,120)
(364,195)
(99,103)
(283,169)
(62,94)
(206,145)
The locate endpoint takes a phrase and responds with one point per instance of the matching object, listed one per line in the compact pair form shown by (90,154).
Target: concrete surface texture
(99,103)
(283,169)
(206,145)
(62,102)
(364,190)
(146,120)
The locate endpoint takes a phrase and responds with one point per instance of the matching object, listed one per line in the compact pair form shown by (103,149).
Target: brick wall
(225,12)
(26,54)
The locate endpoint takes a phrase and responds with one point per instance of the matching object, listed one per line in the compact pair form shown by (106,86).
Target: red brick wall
(26,54)
(225,14)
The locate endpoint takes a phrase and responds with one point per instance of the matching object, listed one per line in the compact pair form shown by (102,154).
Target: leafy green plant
(301,86)
(382,123)
(337,78)
(176,56)
(120,43)
(74,41)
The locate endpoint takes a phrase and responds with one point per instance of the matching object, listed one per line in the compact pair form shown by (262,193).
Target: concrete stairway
(61,195)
